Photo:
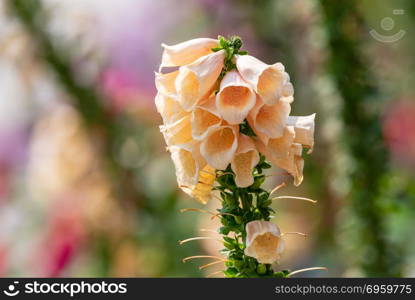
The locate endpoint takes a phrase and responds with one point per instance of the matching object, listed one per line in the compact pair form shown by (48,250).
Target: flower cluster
(223,107)
(226,114)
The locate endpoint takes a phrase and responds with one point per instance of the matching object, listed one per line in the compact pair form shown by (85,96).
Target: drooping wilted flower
(263,241)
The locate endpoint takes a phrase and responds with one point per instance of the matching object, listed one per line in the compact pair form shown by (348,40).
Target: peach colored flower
(202,191)
(284,153)
(201,112)
(187,52)
(263,241)
(269,121)
(219,147)
(271,82)
(187,166)
(169,109)
(193,175)
(235,98)
(304,130)
(179,132)
(245,159)
(205,118)
(165,83)
(197,80)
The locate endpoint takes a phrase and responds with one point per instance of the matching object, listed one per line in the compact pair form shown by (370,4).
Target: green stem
(239,207)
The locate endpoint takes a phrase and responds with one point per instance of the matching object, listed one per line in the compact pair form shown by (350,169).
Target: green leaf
(222,41)
(229,53)
(230,272)
(228,239)
(261,269)
(224,230)
(266,203)
(259,180)
(279,275)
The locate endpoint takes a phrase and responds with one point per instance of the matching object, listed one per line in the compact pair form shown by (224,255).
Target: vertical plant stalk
(239,207)
(242,205)
(362,135)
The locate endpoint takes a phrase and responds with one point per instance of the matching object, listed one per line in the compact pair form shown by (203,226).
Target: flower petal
(204,120)
(187,169)
(279,148)
(169,109)
(269,120)
(193,175)
(202,191)
(198,79)
(179,132)
(263,241)
(219,147)
(284,153)
(165,83)
(304,130)
(235,98)
(187,52)
(269,81)
(245,159)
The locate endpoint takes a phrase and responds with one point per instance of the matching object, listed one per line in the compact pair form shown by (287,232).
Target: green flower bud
(261,269)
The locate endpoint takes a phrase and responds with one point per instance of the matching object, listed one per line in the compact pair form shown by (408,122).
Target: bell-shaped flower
(169,109)
(219,147)
(235,98)
(245,159)
(202,191)
(284,153)
(187,167)
(197,80)
(193,175)
(268,121)
(304,130)
(205,118)
(263,241)
(187,52)
(165,83)
(269,81)
(179,132)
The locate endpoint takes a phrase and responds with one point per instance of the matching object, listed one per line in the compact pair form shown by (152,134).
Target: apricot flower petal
(269,120)
(204,120)
(235,98)
(198,79)
(179,132)
(267,80)
(304,130)
(245,159)
(263,241)
(219,147)
(187,52)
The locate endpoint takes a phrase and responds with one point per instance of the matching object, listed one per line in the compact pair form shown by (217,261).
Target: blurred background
(88,189)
